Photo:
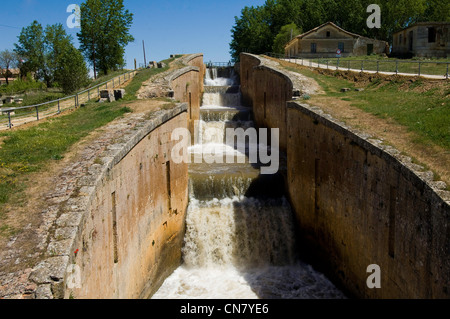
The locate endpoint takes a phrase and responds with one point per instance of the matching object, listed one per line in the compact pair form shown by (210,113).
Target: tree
(105,26)
(56,43)
(257,28)
(51,54)
(437,10)
(252,32)
(8,61)
(286,34)
(72,72)
(31,47)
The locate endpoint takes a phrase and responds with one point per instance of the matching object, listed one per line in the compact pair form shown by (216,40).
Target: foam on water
(212,79)
(243,248)
(237,247)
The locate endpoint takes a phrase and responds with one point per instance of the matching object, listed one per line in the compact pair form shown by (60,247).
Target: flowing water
(240,234)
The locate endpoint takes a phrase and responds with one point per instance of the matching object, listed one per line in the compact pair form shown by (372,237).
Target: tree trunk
(93,58)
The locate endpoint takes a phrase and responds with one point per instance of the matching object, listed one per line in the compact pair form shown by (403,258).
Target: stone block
(119,94)
(44,292)
(50,270)
(9,99)
(108,95)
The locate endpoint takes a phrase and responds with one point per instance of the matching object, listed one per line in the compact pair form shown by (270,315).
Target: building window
(400,39)
(341,46)
(328,34)
(431,35)
(313,48)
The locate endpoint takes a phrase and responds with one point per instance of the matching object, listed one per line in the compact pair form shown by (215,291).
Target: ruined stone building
(423,39)
(325,40)
(14,75)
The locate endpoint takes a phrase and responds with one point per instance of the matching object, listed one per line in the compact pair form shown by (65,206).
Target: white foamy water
(212,79)
(243,248)
(237,247)
(222,99)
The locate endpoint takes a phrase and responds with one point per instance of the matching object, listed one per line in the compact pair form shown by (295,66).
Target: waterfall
(240,232)
(240,240)
(212,78)
(222,99)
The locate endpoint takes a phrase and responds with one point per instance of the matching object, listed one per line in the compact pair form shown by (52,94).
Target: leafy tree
(56,43)
(71,72)
(8,61)
(286,34)
(105,26)
(252,32)
(257,28)
(51,55)
(437,10)
(32,48)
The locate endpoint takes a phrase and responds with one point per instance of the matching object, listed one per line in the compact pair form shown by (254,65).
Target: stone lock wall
(186,87)
(120,236)
(265,90)
(187,84)
(357,202)
(197,61)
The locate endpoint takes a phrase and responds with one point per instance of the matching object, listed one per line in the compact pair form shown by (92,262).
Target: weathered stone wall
(266,90)
(357,202)
(123,232)
(133,235)
(115,223)
(415,41)
(197,61)
(187,88)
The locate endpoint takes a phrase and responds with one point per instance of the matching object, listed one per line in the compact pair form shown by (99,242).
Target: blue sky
(167,27)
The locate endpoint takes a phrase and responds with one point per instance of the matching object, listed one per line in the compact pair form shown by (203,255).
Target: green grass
(19,86)
(26,151)
(31,150)
(141,77)
(425,113)
(104,78)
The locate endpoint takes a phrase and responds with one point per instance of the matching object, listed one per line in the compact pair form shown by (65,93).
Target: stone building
(325,40)
(423,39)
(15,74)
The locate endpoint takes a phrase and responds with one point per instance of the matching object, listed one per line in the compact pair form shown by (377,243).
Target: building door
(313,48)
(370,49)
(341,47)
(411,40)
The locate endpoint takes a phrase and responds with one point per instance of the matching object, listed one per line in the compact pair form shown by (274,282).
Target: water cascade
(240,234)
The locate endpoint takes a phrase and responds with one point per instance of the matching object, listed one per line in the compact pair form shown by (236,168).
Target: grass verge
(421,106)
(24,151)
